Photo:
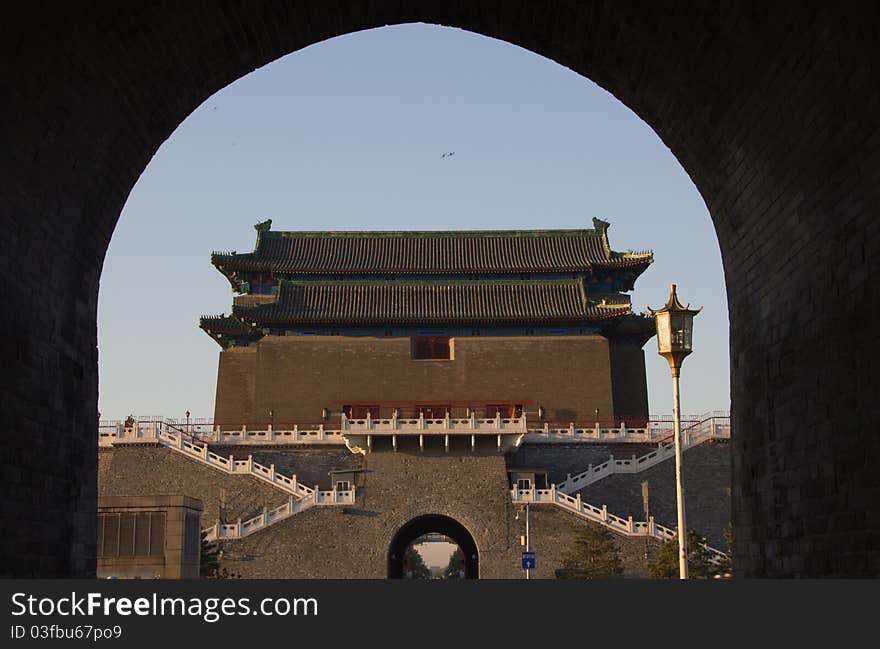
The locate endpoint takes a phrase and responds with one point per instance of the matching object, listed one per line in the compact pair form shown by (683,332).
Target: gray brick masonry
(771,110)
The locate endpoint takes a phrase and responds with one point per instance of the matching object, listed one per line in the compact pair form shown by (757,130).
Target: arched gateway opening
(768,110)
(433,524)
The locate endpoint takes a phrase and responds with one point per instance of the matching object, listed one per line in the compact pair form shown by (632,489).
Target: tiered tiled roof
(446,301)
(448,253)
(465,278)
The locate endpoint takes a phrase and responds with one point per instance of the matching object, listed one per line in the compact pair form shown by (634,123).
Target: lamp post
(188,427)
(675,326)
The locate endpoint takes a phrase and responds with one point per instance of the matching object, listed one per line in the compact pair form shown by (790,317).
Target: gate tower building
(431,324)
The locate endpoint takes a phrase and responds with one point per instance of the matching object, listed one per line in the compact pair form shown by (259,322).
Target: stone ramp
(706,470)
(564,459)
(149,469)
(311,465)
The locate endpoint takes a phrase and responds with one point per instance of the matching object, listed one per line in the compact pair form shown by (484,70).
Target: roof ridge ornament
(262,228)
(600,226)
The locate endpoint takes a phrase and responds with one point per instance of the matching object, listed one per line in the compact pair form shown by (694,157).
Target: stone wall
(563,459)
(771,112)
(706,471)
(396,487)
(311,466)
(297,376)
(236,379)
(552,533)
(353,542)
(148,470)
(629,383)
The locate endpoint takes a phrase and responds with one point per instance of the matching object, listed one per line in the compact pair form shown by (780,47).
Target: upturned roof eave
(227,325)
(226,269)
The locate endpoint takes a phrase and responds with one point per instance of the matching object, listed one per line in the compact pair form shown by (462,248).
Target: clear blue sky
(348,135)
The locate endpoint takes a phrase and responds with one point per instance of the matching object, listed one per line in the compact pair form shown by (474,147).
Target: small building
(345,479)
(149,537)
(430,324)
(526,478)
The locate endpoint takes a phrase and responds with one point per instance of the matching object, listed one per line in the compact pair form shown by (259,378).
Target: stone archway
(771,112)
(438,524)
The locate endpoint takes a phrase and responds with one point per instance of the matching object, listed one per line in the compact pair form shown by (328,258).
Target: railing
(168,435)
(626,526)
(207,423)
(270,516)
(657,430)
(204,430)
(471,424)
(144,430)
(595,433)
(142,426)
(712,428)
(296,435)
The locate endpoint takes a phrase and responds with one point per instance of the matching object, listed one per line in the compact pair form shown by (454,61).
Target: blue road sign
(528,560)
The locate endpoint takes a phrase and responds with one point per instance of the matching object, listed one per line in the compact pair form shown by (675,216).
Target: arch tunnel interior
(771,112)
(433,524)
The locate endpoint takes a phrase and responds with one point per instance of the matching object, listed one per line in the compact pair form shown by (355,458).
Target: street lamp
(188,427)
(675,326)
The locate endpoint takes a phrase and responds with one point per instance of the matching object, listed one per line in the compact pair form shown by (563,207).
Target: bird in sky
(451,153)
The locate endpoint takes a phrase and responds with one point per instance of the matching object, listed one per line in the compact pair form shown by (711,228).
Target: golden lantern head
(675,327)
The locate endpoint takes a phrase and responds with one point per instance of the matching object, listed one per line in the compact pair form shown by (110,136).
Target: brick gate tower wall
(297,376)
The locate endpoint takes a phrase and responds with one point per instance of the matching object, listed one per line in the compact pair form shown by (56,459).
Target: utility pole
(647,515)
(527,536)
(524,539)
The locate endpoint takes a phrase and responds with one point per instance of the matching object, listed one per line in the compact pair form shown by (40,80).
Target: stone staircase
(242,528)
(694,435)
(182,443)
(600,515)
(300,497)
